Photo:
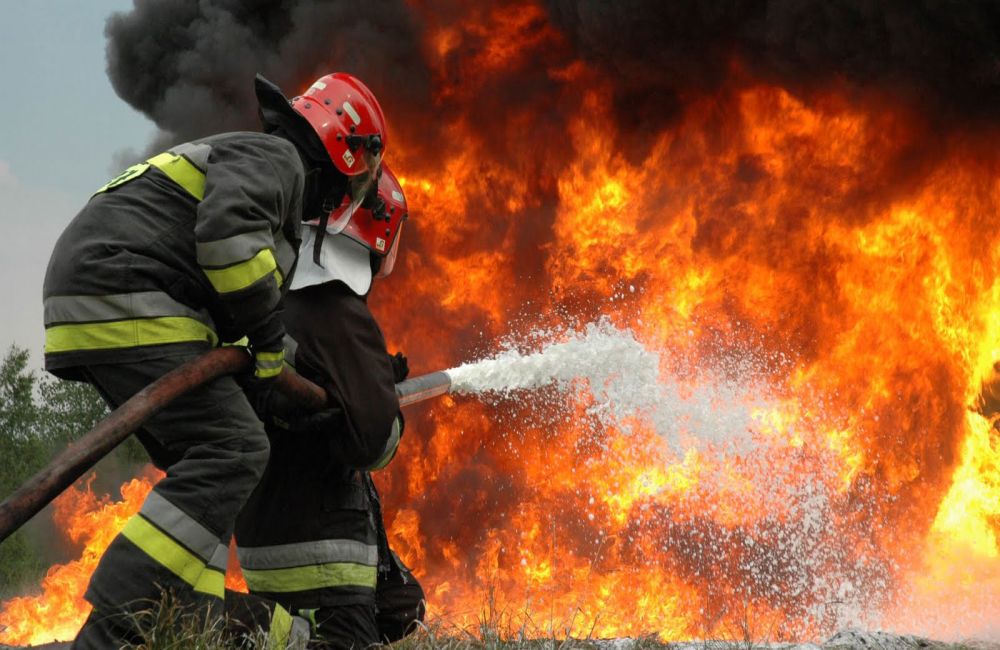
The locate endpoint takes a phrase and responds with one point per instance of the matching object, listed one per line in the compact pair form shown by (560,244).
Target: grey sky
(61,125)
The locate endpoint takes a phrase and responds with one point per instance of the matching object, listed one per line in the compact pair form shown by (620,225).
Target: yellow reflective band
(174,557)
(264,370)
(132,172)
(269,364)
(242,275)
(127,334)
(281,627)
(182,172)
(315,576)
(211,582)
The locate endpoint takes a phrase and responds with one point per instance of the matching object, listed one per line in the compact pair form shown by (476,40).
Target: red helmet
(348,119)
(378,228)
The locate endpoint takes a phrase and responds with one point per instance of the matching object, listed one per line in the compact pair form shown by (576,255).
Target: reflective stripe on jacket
(184,249)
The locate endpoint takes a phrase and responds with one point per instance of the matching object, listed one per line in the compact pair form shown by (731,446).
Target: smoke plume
(942,57)
(190,66)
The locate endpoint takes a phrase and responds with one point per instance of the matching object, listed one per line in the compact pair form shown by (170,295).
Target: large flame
(90,522)
(788,248)
(795,237)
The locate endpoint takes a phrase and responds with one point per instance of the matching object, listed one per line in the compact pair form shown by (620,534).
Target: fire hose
(82,454)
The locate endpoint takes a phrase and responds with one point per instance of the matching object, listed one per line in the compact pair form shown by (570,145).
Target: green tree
(38,417)
(66,409)
(20,452)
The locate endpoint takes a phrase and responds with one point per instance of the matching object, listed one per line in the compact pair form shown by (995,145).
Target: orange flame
(870,312)
(59,611)
(90,521)
(793,250)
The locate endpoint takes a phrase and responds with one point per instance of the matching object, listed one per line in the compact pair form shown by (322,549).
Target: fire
(759,228)
(91,522)
(818,285)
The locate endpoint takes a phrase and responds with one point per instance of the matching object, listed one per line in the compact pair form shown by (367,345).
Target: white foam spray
(627,384)
(611,363)
(719,406)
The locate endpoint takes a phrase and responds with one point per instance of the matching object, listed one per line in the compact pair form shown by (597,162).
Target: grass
(166,625)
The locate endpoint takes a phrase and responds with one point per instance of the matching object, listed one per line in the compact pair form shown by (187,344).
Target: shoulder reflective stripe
(196,153)
(132,172)
(390,447)
(182,172)
(279,629)
(316,576)
(180,526)
(142,304)
(232,250)
(324,551)
(127,334)
(174,557)
(242,275)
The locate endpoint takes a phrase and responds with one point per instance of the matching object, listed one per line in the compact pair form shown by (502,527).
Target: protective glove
(267,344)
(327,421)
(400,367)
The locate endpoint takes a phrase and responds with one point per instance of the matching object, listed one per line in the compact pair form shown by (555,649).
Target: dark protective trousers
(399,608)
(214,450)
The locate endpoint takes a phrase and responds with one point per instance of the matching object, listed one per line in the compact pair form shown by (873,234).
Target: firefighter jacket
(176,253)
(309,536)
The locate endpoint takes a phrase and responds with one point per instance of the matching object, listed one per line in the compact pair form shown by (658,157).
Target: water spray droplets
(624,384)
(719,401)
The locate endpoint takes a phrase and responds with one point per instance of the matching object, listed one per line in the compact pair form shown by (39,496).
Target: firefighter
(187,250)
(311,536)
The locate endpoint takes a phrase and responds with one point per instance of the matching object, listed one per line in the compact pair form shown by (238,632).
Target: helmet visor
(362,190)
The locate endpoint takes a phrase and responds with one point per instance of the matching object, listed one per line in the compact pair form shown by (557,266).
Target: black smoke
(189,66)
(941,57)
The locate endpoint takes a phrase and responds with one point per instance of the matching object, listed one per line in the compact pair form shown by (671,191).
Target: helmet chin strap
(320,234)
(324,186)
(332,200)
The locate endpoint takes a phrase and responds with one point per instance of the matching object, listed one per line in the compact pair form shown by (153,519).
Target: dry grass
(167,626)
